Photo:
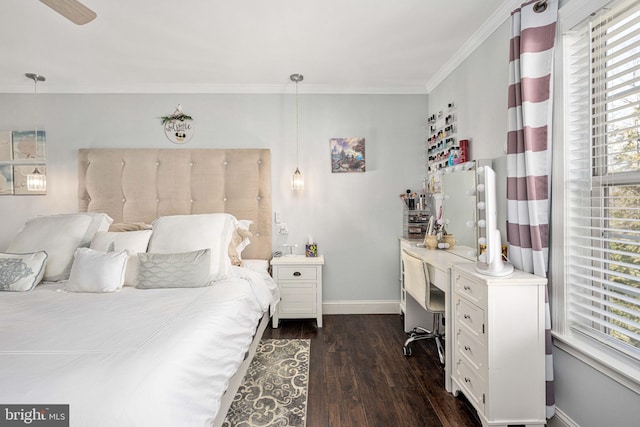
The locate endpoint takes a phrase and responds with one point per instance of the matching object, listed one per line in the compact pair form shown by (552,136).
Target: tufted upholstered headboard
(133,185)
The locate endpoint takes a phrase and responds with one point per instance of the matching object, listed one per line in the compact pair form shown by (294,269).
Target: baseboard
(560,419)
(361,307)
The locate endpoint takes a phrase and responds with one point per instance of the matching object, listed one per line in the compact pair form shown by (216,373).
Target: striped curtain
(533,32)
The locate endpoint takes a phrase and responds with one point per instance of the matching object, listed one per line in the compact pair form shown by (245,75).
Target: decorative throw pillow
(57,235)
(97,271)
(134,242)
(186,233)
(21,272)
(178,270)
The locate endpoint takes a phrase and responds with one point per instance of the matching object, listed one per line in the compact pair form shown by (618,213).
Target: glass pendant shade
(36,181)
(297,180)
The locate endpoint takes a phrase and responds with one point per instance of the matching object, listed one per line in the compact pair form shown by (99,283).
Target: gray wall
(479,88)
(355,218)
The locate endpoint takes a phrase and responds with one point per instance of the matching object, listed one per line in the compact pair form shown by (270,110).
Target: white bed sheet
(152,357)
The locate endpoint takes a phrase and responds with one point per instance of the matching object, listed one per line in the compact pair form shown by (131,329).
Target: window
(601,269)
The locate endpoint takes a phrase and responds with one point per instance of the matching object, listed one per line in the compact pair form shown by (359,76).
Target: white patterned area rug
(274,390)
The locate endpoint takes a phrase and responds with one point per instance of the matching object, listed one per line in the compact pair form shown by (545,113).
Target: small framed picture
(29,179)
(26,146)
(347,155)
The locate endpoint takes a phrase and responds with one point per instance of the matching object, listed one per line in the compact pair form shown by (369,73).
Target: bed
(170,344)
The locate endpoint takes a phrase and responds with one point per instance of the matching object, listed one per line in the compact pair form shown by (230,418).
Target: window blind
(602,175)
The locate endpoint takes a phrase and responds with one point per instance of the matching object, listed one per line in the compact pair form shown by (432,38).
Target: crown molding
(217,89)
(492,23)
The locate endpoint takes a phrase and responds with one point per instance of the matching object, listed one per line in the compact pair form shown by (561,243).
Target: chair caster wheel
(406,351)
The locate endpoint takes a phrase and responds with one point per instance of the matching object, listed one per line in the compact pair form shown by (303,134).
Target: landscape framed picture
(21,185)
(26,146)
(347,155)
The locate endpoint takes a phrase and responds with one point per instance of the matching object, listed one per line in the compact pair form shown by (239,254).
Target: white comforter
(154,357)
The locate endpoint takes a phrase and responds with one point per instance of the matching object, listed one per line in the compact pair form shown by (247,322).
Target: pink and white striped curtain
(533,33)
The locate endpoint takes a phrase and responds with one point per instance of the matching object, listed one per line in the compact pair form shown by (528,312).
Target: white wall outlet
(282,228)
(277,217)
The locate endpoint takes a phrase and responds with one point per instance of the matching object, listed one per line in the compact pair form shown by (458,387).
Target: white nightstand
(300,281)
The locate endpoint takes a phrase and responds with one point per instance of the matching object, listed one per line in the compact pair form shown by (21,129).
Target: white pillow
(180,270)
(99,222)
(186,233)
(97,271)
(21,272)
(57,235)
(134,242)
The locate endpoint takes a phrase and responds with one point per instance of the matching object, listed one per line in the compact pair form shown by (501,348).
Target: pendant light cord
(297,128)
(35,108)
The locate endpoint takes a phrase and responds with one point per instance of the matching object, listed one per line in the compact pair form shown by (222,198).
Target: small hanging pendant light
(36,180)
(297,180)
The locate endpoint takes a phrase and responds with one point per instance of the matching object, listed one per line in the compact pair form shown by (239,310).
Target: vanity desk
(439,264)
(494,335)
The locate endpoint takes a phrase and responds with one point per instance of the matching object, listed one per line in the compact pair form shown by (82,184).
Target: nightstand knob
(297,274)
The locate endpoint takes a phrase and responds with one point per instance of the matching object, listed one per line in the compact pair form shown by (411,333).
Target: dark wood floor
(360,378)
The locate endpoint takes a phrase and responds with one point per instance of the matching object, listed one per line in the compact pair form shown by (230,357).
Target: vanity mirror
(457,200)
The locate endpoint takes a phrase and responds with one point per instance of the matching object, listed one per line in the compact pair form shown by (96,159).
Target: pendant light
(297,180)
(36,180)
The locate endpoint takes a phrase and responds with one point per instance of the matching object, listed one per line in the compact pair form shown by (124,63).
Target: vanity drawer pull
(297,274)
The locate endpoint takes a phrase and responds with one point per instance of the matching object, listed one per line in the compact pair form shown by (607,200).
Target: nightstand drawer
(296,273)
(297,300)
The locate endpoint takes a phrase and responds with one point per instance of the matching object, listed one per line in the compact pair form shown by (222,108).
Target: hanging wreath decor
(177,126)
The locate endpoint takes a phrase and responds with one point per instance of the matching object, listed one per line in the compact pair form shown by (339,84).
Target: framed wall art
(21,184)
(22,157)
(347,155)
(26,146)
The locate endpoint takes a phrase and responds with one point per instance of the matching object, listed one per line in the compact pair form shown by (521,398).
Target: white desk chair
(418,285)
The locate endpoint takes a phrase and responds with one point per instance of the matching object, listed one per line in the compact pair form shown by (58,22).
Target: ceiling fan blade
(73,10)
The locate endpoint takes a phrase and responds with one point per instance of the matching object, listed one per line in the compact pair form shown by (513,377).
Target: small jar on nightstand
(300,281)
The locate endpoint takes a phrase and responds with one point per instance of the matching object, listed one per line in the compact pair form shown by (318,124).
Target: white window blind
(602,170)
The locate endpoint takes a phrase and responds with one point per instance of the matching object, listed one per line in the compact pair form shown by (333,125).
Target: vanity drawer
(471,289)
(470,349)
(439,278)
(296,273)
(471,317)
(470,382)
